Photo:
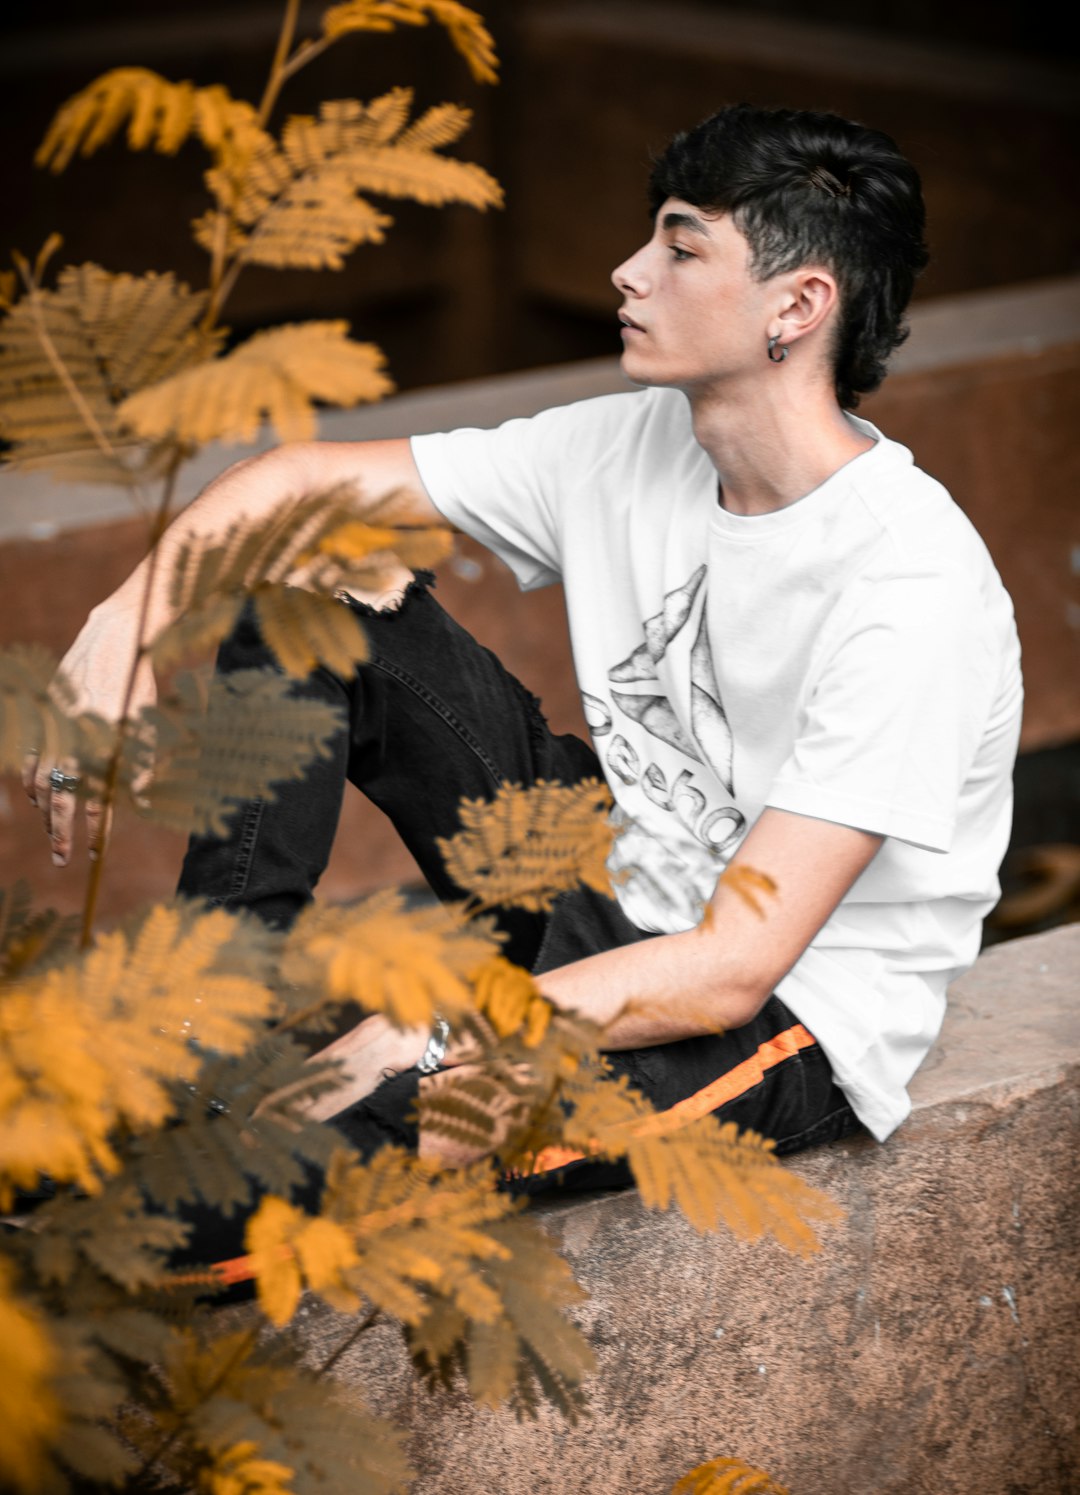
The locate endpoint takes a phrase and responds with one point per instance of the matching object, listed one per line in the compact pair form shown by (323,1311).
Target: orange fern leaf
(466,27)
(157,113)
(747,883)
(291,1250)
(276,374)
(510,999)
(99,1041)
(29,1414)
(526,846)
(727,1477)
(237,1469)
(408,963)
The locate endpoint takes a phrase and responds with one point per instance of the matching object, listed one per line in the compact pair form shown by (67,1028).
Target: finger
(62,819)
(98,827)
(43,794)
(29,776)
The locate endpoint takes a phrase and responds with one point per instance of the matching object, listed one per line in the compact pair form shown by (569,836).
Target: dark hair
(803,186)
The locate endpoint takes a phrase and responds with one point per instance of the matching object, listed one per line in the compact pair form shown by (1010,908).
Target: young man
(794,651)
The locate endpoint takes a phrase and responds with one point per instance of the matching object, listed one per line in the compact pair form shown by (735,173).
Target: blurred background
(984,100)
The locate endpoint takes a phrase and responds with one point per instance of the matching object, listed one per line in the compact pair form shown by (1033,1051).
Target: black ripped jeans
(430,718)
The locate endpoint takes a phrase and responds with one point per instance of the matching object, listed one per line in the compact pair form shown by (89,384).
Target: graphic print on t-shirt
(707,740)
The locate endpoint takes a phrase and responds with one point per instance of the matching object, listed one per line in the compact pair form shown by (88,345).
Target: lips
(629,323)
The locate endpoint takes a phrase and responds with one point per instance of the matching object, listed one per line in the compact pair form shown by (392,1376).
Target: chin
(637,370)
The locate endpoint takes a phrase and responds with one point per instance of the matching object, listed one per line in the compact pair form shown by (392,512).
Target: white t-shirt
(851,657)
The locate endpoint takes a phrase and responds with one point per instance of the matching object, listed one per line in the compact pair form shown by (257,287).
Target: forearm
(720,974)
(381,474)
(672,987)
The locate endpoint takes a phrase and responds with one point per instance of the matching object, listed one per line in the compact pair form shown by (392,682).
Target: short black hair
(803,186)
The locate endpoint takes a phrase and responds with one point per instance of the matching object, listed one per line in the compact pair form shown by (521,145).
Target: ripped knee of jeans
(392,598)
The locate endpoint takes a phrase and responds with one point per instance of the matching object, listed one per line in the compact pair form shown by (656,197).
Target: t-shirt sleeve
(507,488)
(890,726)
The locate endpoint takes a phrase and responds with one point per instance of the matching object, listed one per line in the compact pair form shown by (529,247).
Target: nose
(629,277)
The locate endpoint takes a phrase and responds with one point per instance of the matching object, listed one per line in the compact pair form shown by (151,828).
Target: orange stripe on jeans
(726,1087)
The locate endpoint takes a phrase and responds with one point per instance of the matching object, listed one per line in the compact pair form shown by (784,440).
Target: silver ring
(60,780)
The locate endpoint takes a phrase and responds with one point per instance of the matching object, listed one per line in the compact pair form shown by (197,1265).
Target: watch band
(435,1052)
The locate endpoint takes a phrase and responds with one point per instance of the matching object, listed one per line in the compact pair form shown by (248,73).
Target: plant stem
(306,52)
(242,1349)
(277,67)
(112,773)
(348,1342)
(223,275)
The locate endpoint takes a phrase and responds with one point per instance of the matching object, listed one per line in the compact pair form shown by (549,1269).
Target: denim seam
(245,850)
(441,710)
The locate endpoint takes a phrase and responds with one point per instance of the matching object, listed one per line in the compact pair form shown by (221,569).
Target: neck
(774,444)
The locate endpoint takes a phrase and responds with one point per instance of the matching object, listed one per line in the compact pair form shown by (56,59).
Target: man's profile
(794,653)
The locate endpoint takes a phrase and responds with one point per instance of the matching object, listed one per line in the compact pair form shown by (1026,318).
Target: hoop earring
(772,345)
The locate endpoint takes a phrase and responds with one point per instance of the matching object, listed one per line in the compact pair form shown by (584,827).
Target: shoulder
(634,419)
(922,532)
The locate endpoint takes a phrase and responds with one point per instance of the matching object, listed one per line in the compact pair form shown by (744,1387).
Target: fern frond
(414,1226)
(89,1390)
(473,1113)
(299,203)
(225,1392)
(94,1043)
(747,883)
(727,1477)
(237,1469)
(408,963)
(29,939)
(305,629)
(36,709)
(531,1345)
(114,335)
(511,1000)
(275,374)
(247,178)
(438,126)
(318,542)
(712,1172)
(467,31)
(366,144)
(158,114)
(112,1231)
(315,223)
(526,846)
(291,1250)
(205,764)
(29,1411)
(216,1152)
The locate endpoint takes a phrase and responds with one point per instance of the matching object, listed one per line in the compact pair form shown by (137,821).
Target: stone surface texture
(929,1349)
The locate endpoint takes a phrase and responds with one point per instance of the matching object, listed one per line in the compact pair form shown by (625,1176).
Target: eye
(678,253)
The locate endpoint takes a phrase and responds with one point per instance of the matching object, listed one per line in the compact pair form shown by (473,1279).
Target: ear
(809,297)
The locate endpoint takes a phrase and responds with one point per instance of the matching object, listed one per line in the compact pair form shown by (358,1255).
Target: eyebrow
(684,220)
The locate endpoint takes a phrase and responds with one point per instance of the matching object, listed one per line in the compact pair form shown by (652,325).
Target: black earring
(772,346)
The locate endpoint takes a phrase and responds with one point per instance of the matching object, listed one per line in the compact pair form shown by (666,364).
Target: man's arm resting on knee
(681,985)
(721,974)
(98,664)
(383,473)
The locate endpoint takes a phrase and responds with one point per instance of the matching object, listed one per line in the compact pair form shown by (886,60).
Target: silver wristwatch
(435,1052)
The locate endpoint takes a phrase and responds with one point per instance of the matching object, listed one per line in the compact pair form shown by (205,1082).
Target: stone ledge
(929,1348)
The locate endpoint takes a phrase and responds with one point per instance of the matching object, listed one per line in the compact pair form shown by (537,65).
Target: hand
(365,1053)
(97,668)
